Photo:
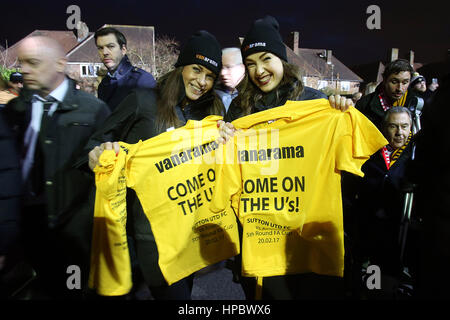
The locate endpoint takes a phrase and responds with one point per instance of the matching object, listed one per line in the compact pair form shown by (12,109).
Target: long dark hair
(250,94)
(171,92)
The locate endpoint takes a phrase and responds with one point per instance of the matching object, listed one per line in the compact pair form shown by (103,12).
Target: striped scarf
(13,92)
(399,103)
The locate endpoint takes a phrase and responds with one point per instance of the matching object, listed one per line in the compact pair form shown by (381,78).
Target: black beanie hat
(204,49)
(16,77)
(416,78)
(264,36)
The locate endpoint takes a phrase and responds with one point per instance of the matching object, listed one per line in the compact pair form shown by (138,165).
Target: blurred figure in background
(13,87)
(231,75)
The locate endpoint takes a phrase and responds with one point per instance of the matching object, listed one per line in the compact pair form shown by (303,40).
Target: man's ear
(61,65)
(124,49)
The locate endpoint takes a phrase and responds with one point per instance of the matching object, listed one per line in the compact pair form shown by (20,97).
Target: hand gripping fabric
(110,271)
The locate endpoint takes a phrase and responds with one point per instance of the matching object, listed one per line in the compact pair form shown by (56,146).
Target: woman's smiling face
(265,70)
(197,80)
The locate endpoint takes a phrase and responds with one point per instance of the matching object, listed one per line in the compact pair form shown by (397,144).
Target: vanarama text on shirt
(271,154)
(185,156)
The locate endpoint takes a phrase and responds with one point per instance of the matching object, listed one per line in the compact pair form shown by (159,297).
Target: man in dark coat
(122,76)
(392,91)
(53,121)
(380,198)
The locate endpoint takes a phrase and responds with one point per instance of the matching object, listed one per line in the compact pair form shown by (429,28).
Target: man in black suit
(53,120)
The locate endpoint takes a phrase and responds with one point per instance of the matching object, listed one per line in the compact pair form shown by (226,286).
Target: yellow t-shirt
(173,175)
(282,175)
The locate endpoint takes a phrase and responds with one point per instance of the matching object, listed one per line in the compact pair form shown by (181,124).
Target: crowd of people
(53,136)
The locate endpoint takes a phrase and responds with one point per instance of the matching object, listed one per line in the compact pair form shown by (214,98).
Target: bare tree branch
(166,54)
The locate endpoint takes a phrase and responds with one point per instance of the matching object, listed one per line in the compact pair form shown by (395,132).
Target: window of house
(345,85)
(305,81)
(322,84)
(89,69)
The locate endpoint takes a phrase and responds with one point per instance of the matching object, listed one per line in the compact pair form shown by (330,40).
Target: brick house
(83,61)
(321,70)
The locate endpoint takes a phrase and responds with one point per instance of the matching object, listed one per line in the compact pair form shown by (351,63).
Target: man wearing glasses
(232,73)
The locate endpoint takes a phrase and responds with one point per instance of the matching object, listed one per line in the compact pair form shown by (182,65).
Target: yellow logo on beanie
(256,44)
(206,59)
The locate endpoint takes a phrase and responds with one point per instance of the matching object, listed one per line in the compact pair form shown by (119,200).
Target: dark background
(421,26)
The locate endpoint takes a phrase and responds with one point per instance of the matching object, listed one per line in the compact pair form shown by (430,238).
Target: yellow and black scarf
(399,103)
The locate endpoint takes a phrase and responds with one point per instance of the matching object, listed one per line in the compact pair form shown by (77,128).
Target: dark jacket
(76,118)
(10,187)
(427,96)
(113,90)
(370,106)
(136,118)
(269,101)
(379,208)
(133,120)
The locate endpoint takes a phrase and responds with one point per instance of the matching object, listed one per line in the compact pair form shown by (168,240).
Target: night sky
(337,25)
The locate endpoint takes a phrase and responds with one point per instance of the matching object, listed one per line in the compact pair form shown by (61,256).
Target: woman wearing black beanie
(182,94)
(269,82)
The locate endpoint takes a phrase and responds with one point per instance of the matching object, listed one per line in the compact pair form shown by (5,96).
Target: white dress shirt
(37,109)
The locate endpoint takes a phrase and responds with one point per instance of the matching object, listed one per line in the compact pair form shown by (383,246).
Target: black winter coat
(135,119)
(113,90)
(379,208)
(74,120)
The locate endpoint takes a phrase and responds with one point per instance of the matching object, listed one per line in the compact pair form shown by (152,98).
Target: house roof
(313,65)
(417,65)
(142,37)
(85,51)
(67,39)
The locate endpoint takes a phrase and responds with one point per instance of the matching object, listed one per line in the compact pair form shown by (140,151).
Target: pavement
(211,283)
(216,283)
